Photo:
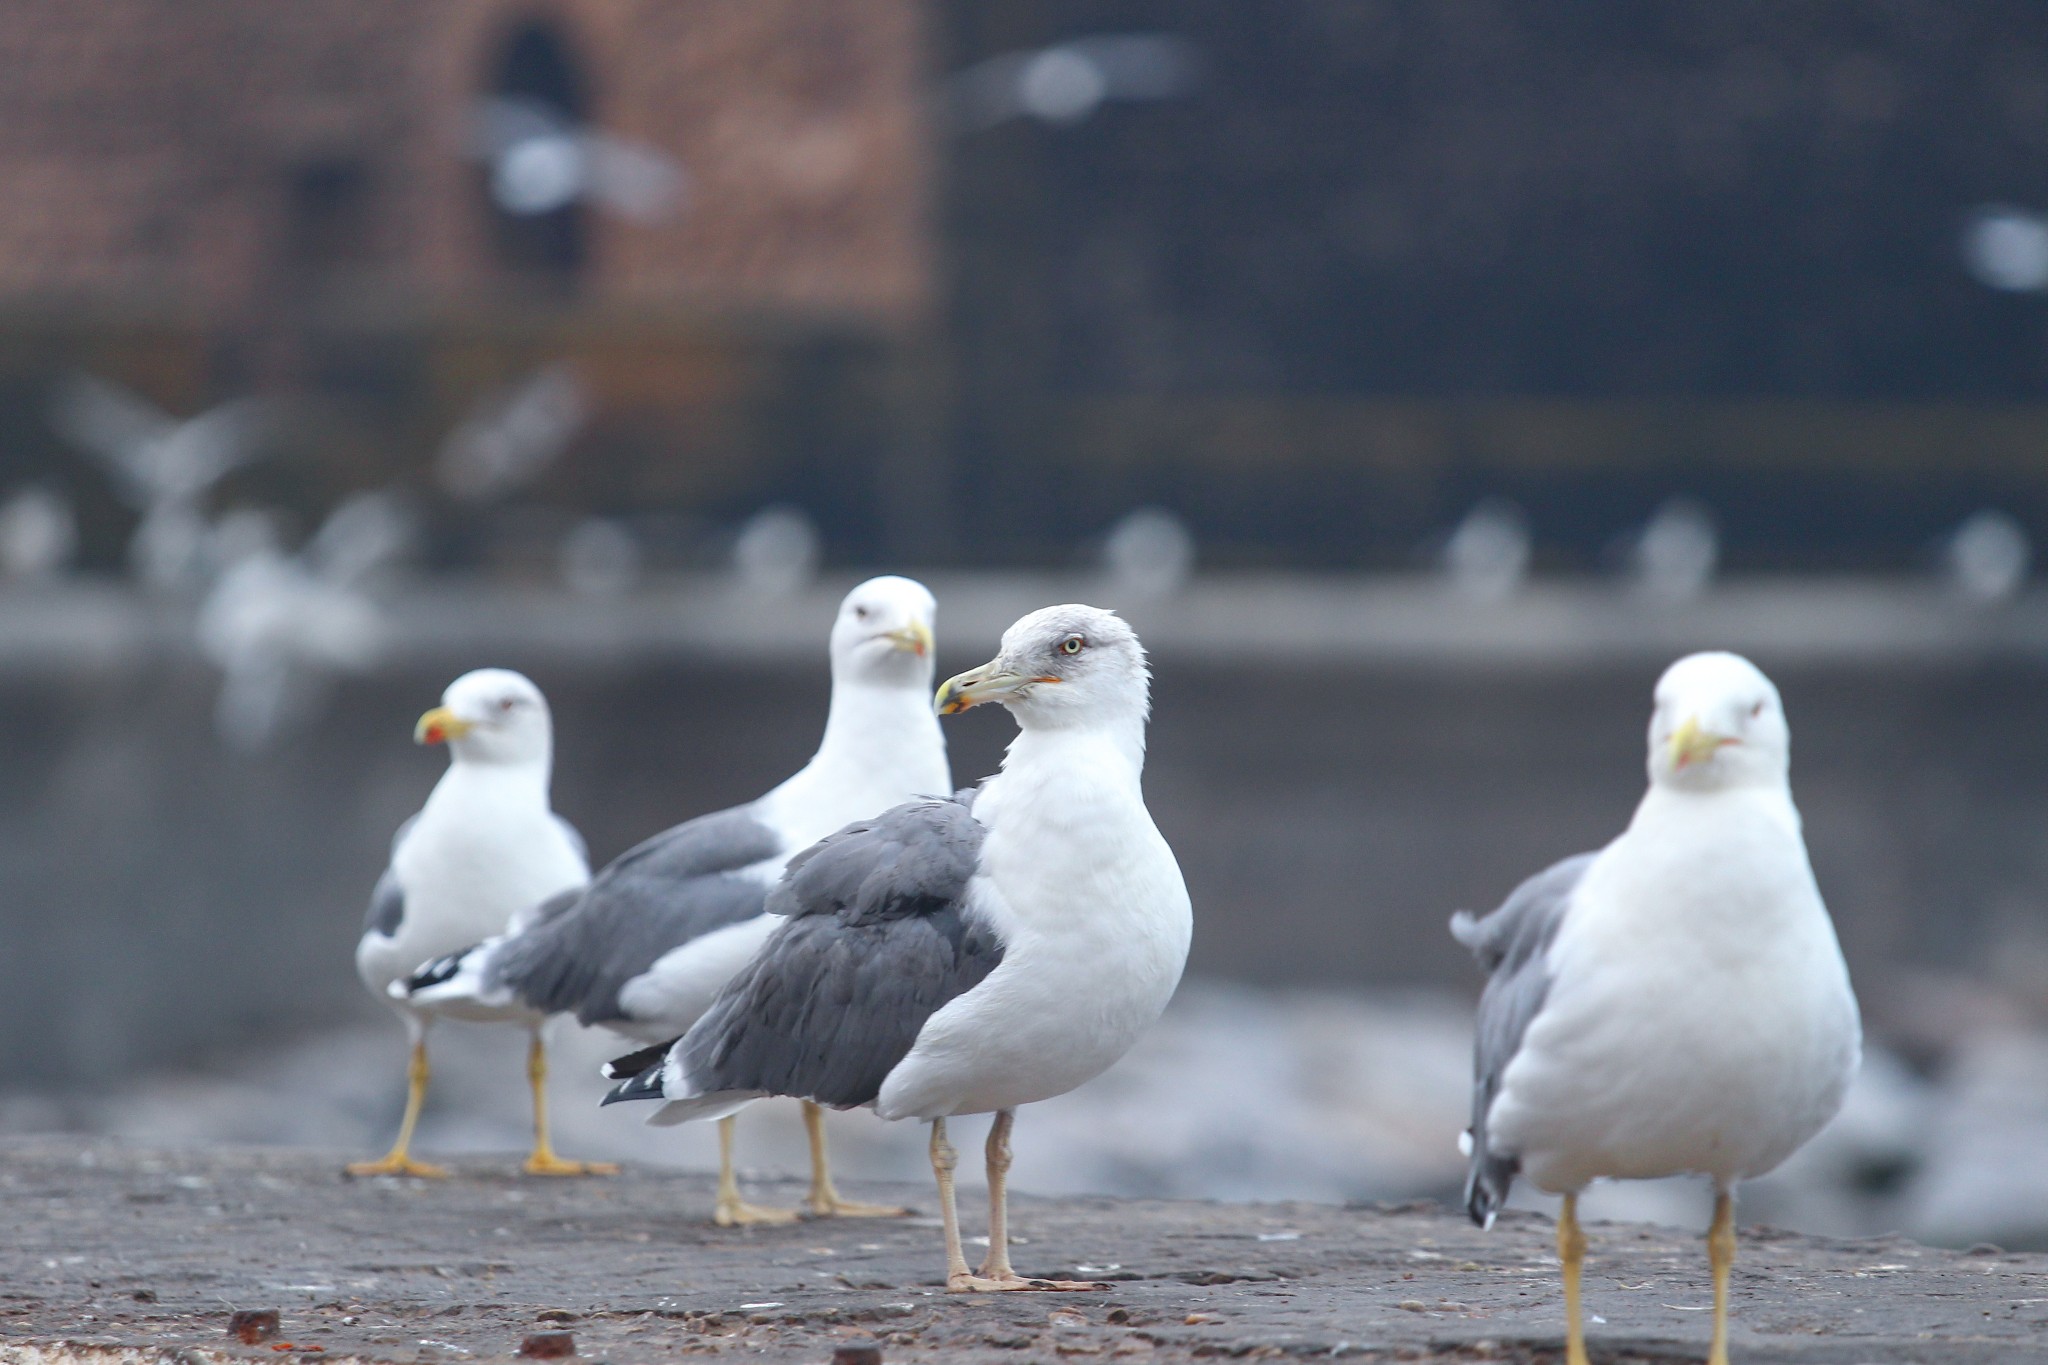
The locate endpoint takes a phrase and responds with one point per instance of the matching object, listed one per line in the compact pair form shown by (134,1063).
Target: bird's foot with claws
(987,1284)
(547,1163)
(398,1164)
(737,1213)
(832,1206)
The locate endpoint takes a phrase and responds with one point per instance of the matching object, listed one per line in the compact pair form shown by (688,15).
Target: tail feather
(1487,1183)
(460,986)
(645,1086)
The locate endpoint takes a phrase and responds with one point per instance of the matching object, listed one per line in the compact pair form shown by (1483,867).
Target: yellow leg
(733,1211)
(944,1158)
(543,1160)
(1571,1249)
(1721,1255)
(398,1161)
(825,1201)
(995,1273)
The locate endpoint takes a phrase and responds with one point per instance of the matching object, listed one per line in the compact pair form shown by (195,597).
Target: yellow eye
(1071,645)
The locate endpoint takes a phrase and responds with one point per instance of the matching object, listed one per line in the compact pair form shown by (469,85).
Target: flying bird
(662,929)
(163,466)
(278,625)
(485,852)
(1675,1003)
(965,955)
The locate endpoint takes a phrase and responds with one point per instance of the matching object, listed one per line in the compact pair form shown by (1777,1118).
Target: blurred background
(1421,376)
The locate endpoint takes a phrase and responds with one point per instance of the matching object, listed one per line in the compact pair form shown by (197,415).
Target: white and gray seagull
(1675,1003)
(485,852)
(658,933)
(969,955)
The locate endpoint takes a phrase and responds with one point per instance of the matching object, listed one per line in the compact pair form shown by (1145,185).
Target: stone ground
(115,1252)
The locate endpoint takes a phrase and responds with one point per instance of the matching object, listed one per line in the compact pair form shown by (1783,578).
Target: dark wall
(163,898)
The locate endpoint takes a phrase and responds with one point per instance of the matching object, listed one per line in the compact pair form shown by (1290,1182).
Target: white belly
(1712,1045)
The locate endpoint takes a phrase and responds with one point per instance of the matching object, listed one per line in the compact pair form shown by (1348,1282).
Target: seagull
(660,931)
(1487,556)
(1673,556)
(965,955)
(1675,1003)
(279,625)
(163,466)
(486,851)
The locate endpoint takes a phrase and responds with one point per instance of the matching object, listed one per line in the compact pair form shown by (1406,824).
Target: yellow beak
(915,638)
(439,726)
(977,685)
(1692,744)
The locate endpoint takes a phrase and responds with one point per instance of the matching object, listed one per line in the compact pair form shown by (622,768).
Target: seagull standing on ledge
(485,852)
(968,955)
(647,947)
(1675,1003)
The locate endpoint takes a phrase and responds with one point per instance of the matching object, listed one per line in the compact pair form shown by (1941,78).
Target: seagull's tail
(656,1073)
(460,985)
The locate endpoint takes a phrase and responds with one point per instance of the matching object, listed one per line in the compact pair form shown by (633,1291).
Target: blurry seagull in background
(1675,1003)
(2006,248)
(162,466)
(511,434)
(486,853)
(1673,556)
(1987,557)
(38,534)
(1064,84)
(1487,556)
(541,161)
(776,552)
(971,954)
(1149,554)
(648,945)
(279,625)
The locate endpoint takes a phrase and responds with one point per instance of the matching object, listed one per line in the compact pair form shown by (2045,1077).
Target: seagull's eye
(861,613)
(508,703)
(1756,710)
(1072,644)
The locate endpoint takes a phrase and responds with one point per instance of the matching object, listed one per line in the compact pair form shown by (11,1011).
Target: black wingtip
(633,1063)
(435,972)
(645,1086)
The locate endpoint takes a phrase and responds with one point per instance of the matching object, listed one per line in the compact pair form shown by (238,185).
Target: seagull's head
(1718,723)
(1068,665)
(884,634)
(492,715)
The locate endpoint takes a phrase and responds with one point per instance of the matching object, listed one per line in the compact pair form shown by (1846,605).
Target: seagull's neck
(882,747)
(516,786)
(1664,803)
(1114,747)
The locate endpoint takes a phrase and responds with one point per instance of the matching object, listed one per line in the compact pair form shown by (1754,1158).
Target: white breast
(1699,1017)
(1095,923)
(482,853)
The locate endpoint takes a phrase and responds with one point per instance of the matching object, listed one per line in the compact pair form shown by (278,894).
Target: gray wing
(879,937)
(387,899)
(1510,945)
(659,895)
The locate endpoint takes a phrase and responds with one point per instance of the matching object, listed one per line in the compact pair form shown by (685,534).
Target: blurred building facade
(328,198)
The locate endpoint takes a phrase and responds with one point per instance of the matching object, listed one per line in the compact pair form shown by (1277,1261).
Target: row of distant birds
(862,936)
(280,623)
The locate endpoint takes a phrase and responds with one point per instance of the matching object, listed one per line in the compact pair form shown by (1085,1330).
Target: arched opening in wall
(535,108)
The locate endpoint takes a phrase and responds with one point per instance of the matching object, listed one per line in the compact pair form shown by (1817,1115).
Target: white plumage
(1676,1003)
(483,854)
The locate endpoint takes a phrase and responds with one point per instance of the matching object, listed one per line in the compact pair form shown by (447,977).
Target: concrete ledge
(115,1254)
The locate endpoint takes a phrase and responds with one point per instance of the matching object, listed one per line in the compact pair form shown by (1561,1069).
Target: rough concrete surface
(117,1253)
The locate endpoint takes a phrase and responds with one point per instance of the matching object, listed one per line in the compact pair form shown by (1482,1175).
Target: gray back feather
(879,938)
(678,886)
(387,898)
(1510,945)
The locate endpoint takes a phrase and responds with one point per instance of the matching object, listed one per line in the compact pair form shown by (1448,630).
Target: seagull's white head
(492,715)
(884,634)
(1719,723)
(1060,666)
